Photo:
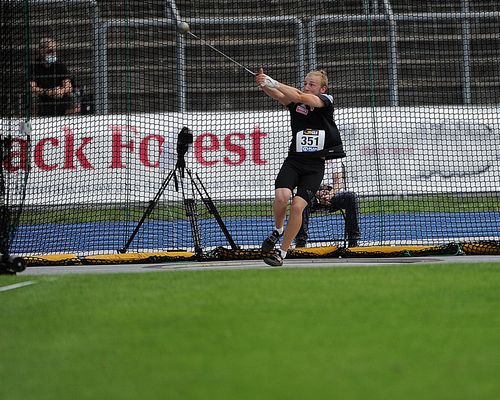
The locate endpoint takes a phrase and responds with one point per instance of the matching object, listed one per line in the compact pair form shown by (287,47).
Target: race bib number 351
(310,140)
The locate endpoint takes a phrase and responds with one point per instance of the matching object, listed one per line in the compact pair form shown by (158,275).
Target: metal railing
(102,102)
(392,20)
(306,37)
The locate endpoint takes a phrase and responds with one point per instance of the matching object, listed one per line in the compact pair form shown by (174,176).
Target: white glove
(270,82)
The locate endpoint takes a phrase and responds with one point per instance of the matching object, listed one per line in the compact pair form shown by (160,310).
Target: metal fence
(306,38)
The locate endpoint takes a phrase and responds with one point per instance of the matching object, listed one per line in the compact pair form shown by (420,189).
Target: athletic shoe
(269,243)
(274,259)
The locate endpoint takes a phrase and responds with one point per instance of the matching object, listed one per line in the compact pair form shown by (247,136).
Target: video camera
(184,139)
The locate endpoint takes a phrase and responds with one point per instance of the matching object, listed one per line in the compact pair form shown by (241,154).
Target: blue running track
(418,228)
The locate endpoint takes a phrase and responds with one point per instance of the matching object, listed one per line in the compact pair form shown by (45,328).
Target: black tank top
(315,133)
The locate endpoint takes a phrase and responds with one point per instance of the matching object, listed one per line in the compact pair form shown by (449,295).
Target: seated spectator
(50,81)
(333,198)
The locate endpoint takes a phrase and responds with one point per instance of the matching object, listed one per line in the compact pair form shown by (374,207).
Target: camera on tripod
(184,139)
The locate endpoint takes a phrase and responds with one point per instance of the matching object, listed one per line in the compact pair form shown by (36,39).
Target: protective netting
(415,87)
(13,130)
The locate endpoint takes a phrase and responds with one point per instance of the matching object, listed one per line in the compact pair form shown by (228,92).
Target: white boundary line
(16,286)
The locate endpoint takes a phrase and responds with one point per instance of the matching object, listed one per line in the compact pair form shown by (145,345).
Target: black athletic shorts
(302,173)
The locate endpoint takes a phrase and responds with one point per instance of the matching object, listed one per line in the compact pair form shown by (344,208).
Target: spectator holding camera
(333,198)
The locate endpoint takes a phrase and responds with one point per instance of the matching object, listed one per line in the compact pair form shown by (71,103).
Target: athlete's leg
(303,234)
(282,195)
(283,185)
(281,198)
(294,222)
(309,182)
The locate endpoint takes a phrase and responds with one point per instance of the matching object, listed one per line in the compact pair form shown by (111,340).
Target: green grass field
(173,211)
(386,332)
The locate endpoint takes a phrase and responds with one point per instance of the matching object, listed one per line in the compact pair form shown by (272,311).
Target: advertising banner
(391,151)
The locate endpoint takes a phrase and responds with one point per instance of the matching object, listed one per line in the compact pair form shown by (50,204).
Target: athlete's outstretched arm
(270,91)
(286,94)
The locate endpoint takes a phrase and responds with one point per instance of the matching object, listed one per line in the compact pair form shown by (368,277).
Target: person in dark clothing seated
(333,198)
(50,82)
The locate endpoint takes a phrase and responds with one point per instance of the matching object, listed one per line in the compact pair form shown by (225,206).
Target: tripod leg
(190,207)
(211,208)
(152,204)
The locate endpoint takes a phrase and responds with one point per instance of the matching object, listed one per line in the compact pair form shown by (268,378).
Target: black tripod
(185,138)
(9,265)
